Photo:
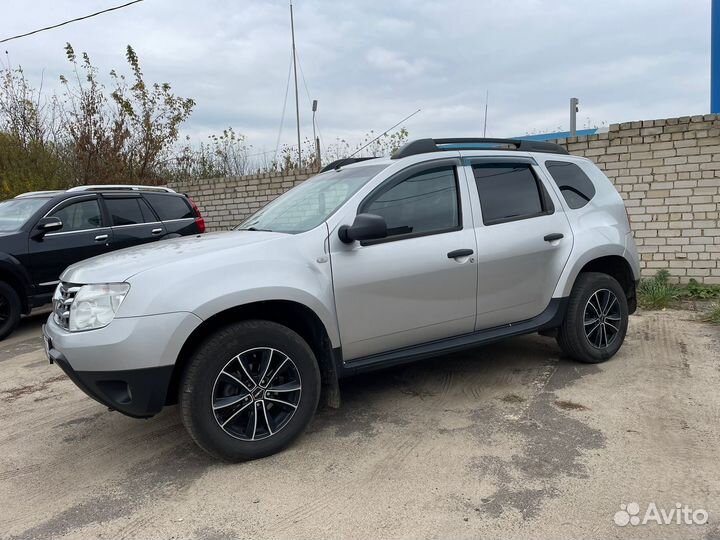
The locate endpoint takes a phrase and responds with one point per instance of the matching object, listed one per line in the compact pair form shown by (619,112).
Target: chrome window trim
(74,232)
(137,224)
(178,219)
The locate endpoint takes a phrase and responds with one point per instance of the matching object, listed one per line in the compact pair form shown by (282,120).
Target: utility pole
(315,138)
(715,57)
(297,102)
(574,108)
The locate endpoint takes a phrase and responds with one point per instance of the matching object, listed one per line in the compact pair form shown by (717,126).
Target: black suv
(43,232)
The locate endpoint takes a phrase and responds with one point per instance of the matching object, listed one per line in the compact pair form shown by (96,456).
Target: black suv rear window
(575,186)
(170,206)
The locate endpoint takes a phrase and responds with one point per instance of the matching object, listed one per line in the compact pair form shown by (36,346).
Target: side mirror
(365,227)
(48,224)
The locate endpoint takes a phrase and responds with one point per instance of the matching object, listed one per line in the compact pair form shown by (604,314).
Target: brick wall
(225,202)
(668,172)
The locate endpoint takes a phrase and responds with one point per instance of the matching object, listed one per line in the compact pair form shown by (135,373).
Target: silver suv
(449,244)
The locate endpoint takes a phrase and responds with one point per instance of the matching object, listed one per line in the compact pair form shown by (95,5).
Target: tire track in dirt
(389,461)
(389,455)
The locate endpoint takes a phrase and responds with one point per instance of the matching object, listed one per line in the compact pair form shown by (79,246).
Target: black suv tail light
(198,217)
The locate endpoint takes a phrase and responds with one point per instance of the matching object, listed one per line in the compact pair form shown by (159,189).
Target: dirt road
(505,441)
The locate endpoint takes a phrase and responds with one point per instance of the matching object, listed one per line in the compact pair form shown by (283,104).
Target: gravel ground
(510,440)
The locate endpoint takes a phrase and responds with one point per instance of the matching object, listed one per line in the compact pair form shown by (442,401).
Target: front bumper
(139,393)
(127,365)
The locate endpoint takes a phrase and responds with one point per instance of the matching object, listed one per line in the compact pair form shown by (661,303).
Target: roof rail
(342,162)
(120,187)
(424,146)
(38,193)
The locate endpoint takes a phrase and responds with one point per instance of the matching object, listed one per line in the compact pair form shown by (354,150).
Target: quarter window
(170,206)
(576,188)
(509,192)
(79,216)
(424,203)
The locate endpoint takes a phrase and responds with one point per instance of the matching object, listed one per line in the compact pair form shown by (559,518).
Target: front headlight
(95,306)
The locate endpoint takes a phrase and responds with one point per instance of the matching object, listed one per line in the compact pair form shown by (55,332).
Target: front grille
(62,300)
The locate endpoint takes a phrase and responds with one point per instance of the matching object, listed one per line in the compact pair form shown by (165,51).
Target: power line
(70,21)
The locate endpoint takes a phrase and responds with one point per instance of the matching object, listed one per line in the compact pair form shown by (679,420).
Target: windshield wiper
(255,229)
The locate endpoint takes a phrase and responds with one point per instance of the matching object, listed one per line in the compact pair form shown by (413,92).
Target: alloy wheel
(602,318)
(256,394)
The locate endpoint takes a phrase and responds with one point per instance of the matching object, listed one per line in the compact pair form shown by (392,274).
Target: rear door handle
(552,237)
(460,253)
(101,237)
(156,231)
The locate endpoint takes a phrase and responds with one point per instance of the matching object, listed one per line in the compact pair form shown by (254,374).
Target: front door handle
(101,237)
(460,253)
(156,231)
(552,237)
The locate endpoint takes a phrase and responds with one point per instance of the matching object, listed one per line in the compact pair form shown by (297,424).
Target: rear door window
(508,192)
(169,207)
(576,188)
(125,211)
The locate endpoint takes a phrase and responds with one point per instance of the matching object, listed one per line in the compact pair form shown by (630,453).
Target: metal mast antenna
(297,102)
(487,94)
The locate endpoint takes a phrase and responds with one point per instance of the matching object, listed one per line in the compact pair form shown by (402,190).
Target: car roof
(465,146)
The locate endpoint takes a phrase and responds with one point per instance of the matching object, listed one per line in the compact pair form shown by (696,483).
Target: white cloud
(395,63)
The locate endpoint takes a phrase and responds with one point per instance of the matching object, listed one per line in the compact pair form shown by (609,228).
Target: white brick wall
(668,172)
(225,202)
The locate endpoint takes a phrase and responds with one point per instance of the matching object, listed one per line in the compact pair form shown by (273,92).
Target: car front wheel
(596,320)
(249,390)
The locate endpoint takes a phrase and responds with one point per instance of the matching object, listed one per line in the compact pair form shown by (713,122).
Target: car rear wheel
(10,309)
(249,390)
(596,320)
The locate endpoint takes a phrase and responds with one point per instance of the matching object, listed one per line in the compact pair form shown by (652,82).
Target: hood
(120,265)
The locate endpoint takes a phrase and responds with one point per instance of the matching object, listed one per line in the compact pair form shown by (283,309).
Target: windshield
(309,204)
(15,212)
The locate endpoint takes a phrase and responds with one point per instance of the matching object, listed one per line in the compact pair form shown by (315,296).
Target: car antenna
(381,135)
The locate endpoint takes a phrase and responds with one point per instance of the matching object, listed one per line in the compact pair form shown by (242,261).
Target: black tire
(218,380)
(10,310)
(590,335)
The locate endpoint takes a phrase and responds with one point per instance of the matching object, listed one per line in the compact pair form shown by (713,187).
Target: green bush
(657,292)
(699,291)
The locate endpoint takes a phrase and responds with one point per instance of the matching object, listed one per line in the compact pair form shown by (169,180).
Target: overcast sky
(370,63)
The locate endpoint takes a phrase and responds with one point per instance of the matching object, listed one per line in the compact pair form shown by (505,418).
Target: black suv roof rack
(424,146)
(342,162)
